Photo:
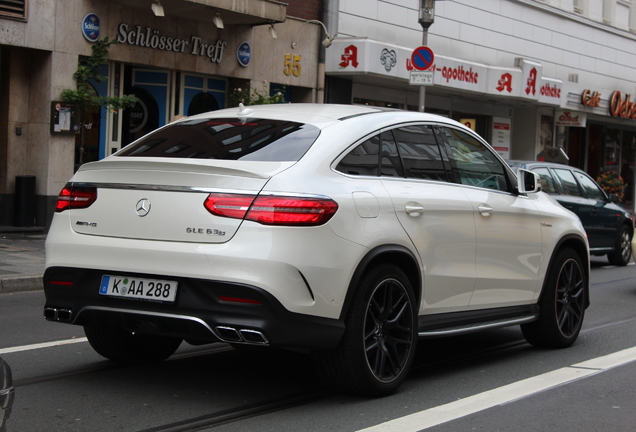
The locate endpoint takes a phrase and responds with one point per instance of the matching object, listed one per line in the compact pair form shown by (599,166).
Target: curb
(21,283)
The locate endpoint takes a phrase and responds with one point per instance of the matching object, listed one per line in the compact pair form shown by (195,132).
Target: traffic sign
(422,58)
(421,78)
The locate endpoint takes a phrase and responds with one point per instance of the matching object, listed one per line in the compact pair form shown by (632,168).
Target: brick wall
(305,9)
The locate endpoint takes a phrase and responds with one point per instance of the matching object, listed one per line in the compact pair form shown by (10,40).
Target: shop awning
(250,12)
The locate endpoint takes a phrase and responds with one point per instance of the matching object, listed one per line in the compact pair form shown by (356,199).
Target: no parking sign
(422,58)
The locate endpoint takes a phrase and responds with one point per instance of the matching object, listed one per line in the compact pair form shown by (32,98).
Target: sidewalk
(21,259)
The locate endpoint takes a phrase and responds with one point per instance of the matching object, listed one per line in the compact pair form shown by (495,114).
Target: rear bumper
(198,314)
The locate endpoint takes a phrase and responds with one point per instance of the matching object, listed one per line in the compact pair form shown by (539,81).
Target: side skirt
(457,323)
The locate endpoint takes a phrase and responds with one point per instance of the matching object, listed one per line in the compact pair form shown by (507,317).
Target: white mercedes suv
(346,231)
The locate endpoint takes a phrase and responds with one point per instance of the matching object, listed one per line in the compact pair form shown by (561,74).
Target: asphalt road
(467,379)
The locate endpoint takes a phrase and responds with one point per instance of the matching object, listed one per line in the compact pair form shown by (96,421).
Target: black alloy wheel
(623,253)
(378,346)
(388,330)
(562,304)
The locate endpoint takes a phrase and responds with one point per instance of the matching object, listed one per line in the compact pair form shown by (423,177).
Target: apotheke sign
(150,38)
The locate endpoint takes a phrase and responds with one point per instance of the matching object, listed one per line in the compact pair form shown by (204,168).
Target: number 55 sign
(291,65)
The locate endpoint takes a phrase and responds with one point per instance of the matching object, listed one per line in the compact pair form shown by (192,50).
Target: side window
(569,184)
(476,164)
(548,184)
(362,160)
(390,164)
(590,187)
(420,153)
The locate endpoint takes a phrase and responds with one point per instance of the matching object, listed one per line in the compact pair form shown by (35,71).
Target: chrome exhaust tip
(247,336)
(253,337)
(228,334)
(55,314)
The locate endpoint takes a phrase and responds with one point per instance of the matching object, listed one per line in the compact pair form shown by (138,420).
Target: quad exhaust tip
(55,314)
(238,335)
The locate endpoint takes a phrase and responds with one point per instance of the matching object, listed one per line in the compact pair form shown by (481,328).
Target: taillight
(229,205)
(273,210)
(75,197)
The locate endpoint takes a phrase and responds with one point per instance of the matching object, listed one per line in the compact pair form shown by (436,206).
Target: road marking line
(503,395)
(41,345)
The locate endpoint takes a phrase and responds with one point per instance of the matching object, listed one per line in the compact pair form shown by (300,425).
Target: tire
(562,304)
(376,351)
(127,347)
(623,252)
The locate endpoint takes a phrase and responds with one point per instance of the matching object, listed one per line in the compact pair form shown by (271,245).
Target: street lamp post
(426,18)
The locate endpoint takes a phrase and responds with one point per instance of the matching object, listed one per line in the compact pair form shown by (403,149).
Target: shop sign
(151,38)
(530,75)
(469,123)
(90,27)
(550,91)
(622,107)
(504,81)
(364,56)
(459,74)
(349,57)
(244,54)
(570,118)
(536,86)
(357,56)
(591,98)
(388,59)
(501,136)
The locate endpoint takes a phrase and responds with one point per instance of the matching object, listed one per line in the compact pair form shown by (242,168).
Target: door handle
(413,209)
(485,210)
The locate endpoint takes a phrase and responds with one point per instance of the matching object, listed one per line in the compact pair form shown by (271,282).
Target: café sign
(150,38)
(622,106)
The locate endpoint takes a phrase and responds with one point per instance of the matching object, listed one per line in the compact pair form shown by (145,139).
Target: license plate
(138,288)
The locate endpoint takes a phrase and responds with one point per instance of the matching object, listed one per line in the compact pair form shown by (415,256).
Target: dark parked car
(6,394)
(609,227)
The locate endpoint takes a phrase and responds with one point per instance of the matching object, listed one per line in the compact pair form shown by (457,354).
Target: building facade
(178,57)
(539,79)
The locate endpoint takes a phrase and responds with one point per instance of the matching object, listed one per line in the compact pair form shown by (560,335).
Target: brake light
(75,197)
(229,205)
(273,210)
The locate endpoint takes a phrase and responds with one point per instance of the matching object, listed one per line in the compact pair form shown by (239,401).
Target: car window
(227,139)
(377,155)
(476,164)
(390,163)
(363,159)
(548,184)
(568,183)
(420,153)
(591,189)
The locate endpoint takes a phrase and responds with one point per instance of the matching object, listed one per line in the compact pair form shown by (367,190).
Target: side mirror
(529,182)
(614,198)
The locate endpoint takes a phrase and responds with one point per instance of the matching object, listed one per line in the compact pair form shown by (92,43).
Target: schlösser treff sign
(150,38)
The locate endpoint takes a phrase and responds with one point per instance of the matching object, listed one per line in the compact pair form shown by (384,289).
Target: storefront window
(628,155)
(612,150)
(594,158)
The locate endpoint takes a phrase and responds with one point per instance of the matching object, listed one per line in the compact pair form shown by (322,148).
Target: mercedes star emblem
(143,207)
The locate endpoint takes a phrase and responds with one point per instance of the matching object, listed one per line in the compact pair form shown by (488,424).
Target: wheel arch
(398,255)
(578,245)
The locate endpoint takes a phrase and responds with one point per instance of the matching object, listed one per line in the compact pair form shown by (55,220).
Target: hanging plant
(83,97)
(612,184)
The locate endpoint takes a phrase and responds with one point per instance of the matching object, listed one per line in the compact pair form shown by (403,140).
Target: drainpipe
(330,19)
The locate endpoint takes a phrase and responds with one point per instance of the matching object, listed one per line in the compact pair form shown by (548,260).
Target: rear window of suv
(228,139)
